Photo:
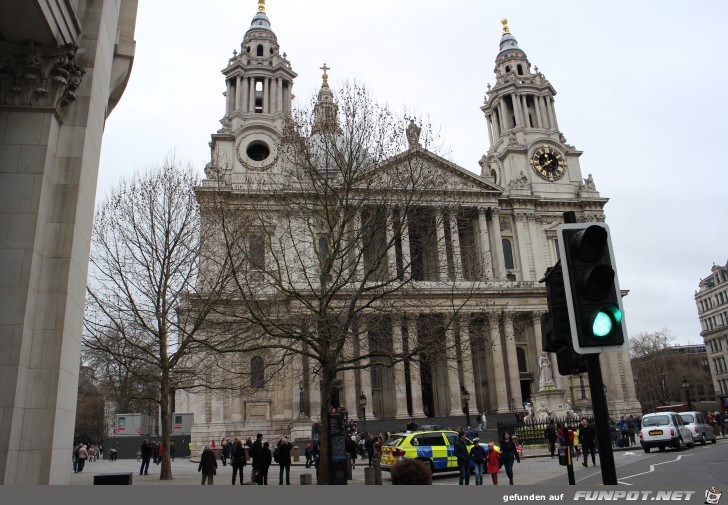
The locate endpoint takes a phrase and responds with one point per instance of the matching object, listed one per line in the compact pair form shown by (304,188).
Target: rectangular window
(256,252)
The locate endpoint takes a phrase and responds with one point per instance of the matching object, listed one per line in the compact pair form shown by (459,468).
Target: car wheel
(646,449)
(715,439)
(662,448)
(432,467)
(680,445)
(703,441)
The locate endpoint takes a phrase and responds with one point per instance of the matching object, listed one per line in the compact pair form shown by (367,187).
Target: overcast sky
(641,90)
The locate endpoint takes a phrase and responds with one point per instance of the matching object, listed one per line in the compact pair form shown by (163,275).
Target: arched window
(257,372)
(259,51)
(519,69)
(521,356)
(508,254)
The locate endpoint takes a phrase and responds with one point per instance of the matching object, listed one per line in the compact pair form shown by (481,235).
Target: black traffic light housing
(593,297)
(555,328)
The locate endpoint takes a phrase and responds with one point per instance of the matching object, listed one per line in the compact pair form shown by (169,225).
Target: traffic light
(596,315)
(555,329)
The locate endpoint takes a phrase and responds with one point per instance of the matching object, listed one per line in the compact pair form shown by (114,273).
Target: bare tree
(658,370)
(337,244)
(145,258)
(90,411)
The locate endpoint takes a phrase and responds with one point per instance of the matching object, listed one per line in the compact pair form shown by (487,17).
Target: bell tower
(526,145)
(259,83)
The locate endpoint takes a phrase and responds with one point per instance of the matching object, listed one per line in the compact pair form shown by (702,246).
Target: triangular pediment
(454,177)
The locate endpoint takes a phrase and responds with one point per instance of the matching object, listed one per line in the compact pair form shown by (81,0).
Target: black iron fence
(534,433)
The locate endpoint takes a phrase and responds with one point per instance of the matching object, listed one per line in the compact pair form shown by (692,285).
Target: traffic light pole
(601,419)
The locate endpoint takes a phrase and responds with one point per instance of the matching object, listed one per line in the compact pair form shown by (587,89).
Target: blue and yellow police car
(435,447)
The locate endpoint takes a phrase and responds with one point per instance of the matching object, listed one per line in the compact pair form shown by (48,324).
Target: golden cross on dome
(325,77)
(261,6)
(504,22)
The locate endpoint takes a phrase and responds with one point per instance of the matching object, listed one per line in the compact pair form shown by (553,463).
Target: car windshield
(393,441)
(656,421)
(688,418)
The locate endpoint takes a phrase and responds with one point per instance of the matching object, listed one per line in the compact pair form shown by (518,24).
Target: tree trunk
(166,471)
(324,467)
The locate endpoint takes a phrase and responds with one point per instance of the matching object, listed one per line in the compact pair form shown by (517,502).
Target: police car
(434,447)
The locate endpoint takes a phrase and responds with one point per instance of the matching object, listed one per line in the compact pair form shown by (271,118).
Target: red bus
(680,407)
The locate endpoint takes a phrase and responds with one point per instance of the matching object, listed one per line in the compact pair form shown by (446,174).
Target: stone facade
(62,70)
(712,303)
(496,235)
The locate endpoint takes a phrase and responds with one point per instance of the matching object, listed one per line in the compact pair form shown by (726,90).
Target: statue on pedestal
(545,373)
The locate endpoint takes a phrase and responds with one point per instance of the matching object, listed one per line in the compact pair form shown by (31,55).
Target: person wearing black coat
(461,452)
(146,454)
(238,460)
(256,451)
(265,458)
(208,465)
(587,437)
(284,460)
(508,454)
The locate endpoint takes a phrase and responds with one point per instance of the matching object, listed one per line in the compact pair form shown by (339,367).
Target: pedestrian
(508,454)
(74,456)
(101,451)
(82,456)
(631,428)
(351,447)
(208,466)
(587,436)
(264,460)
(284,460)
(223,452)
(550,435)
(624,431)
(378,444)
(482,422)
(238,460)
(146,455)
(172,450)
(492,462)
(369,444)
(315,431)
(229,448)
(477,456)
(460,451)
(309,455)
(160,452)
(256,453)
(470,433)
(112,454)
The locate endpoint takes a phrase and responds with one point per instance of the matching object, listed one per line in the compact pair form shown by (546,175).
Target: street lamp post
(465,397)
(363,405)
(686,387)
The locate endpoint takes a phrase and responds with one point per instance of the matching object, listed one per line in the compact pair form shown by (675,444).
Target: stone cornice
(38,77)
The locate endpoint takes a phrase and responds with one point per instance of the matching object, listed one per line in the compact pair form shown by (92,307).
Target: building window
(256,252)
(521,356)
(259,50)
(257,372)
(508,254)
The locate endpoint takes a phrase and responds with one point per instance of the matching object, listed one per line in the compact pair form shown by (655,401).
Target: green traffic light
(602,325)
(605,320)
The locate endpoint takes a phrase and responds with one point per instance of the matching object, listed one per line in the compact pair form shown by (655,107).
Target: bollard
(369,475)
(377,472)
(296,454)
(348,467)
(306,479)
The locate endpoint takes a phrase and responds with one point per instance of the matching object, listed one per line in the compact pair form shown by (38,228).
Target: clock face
(548,163)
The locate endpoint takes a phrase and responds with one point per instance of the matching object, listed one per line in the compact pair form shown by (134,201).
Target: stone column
(505,121)
(238,91)
(406,255)
(524,108)
(441,247)
(485,246)
(389,241)
(453,381)
(266,95)
(499,394)
(536,239)
(517,113)
(457,259)
(414,367)
(365,373)
(280,95)
(400,392)
(228,97)
(524,245)
(489,120)
(251,101)
(466,353)
(537,108)
(536,322)
(552,113)
(514,378)
(499,264)
(245,85)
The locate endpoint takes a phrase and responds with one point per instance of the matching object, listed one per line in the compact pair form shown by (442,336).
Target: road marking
(652,469)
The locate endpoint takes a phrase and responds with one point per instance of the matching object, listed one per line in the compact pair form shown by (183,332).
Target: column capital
(38,76)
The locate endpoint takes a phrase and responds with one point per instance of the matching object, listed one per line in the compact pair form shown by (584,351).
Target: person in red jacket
(492,458)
